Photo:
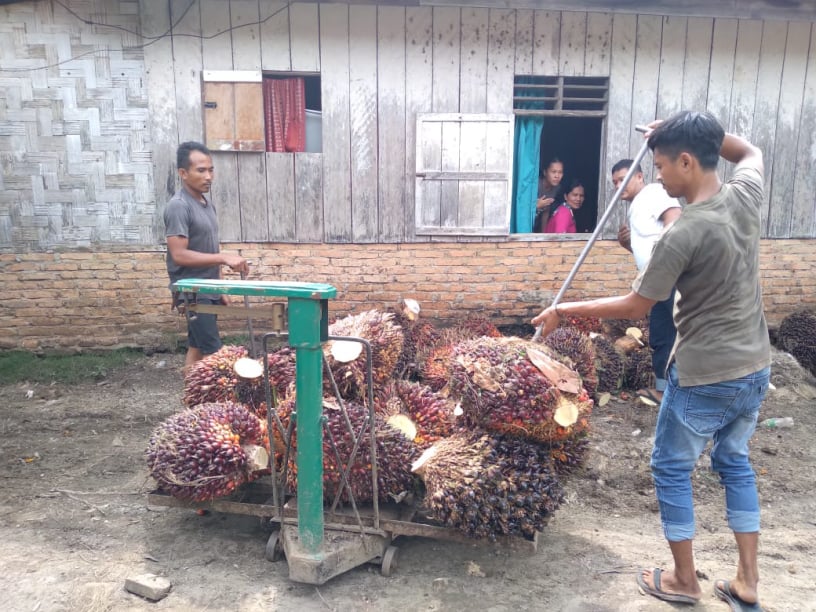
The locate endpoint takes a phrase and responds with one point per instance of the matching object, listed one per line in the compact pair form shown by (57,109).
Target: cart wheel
(389,560)
(274,550)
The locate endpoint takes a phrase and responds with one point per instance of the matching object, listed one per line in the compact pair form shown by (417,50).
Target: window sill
(549,237)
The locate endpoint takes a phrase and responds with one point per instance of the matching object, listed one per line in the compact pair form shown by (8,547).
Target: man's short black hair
(693,132)
(184,150)
(625,164)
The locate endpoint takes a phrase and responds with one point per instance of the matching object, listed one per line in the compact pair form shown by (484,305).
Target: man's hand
(544,202)
(236,262)
(625,237)
(548,319)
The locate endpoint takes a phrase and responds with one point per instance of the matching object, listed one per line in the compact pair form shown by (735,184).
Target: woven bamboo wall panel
(75,147)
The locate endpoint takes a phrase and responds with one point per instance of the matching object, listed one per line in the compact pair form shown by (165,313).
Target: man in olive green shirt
(719,369)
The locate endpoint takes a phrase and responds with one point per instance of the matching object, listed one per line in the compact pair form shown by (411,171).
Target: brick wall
(82,300)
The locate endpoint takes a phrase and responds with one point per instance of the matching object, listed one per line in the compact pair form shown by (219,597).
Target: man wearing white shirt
(651,211)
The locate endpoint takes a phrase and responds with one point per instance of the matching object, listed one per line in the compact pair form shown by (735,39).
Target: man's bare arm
(182,255)
(739,151)
(629,306)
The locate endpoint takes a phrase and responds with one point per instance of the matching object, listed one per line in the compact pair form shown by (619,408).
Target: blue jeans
(661,338)
(689,417)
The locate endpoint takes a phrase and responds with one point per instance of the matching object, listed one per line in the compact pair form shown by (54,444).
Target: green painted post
(308,329)
(306,317)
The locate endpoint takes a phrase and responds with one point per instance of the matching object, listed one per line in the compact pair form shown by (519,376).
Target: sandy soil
(75,523)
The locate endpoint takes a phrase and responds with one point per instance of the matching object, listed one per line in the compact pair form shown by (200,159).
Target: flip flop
(737,605)
(656,591)
(647,394)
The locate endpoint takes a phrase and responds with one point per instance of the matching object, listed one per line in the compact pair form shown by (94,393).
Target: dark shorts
(202,331)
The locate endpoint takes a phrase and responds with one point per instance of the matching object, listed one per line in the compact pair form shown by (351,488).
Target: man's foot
(737,596)
(652,395)
(661,584)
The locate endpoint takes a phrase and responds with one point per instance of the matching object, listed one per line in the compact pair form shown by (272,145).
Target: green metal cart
(318,542)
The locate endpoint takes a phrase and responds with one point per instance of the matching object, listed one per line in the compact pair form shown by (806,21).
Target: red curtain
(285,114)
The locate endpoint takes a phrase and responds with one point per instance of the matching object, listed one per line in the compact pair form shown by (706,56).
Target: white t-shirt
(645,225)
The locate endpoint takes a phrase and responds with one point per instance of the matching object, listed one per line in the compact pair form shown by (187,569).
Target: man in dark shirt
(191,229)
(720,368)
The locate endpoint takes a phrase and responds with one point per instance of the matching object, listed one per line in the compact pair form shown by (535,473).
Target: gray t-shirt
(711,253)
(198,222)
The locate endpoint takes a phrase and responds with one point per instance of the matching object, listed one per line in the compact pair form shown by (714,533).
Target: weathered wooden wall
(381,66)
(86,109)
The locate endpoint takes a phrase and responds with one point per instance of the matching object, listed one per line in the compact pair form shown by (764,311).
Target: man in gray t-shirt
(191,229)
(719,371)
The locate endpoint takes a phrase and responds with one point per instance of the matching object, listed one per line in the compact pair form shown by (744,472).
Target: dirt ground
(75,522)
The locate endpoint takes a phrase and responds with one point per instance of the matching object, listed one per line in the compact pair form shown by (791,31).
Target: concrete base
(341,551)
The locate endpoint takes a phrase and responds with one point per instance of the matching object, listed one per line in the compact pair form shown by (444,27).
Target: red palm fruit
(486,485)
(394,453)
(578,348)
(212,379)
(208,451)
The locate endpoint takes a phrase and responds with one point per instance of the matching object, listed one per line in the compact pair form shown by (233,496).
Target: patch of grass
(18,366)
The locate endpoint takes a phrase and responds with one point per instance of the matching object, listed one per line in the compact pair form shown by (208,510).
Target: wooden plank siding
(392,202)
(769,79)
(338,218)
(362,59)
(418,99)
(379,67)
(803,218)
(780,209)
(621,122)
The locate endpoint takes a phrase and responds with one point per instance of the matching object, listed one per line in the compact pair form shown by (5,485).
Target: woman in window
(562,220)
(549,191)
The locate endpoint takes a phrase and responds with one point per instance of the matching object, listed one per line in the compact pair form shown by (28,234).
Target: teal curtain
(526,158)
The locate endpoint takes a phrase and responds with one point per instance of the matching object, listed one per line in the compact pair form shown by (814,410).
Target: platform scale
(318,541)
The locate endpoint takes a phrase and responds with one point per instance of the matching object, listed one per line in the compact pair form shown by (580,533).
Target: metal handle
(607,213)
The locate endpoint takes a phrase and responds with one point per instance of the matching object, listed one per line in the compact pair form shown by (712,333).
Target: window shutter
(464,169)
(233,110)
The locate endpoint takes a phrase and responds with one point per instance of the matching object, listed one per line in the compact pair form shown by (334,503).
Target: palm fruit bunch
(213,378)
(475,326)
(577,346)
(797,336)
(434,358)
(347,359)
(416,336)
(588,325)
(637,369)
(250,390)
(423,415)
(485,485)
(568,454)
(394,453)
(206,452)
(615,328)
(517,387)
(281,364)
(406,315)
(608,364)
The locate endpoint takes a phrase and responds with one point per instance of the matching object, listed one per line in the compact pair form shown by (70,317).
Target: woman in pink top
(562,220)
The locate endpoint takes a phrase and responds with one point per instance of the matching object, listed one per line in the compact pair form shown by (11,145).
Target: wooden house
(414,106)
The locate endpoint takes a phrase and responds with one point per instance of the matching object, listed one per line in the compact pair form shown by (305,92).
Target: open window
(292,112)
(557,118)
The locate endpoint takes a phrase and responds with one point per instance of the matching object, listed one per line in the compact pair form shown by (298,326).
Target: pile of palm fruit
(797,336)
(485,427)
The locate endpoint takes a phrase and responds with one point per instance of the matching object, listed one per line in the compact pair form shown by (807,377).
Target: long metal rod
(599,228)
